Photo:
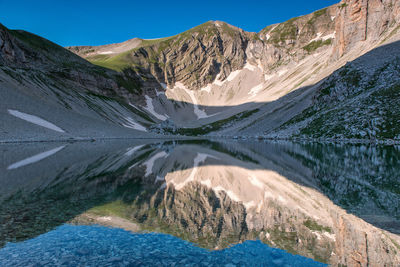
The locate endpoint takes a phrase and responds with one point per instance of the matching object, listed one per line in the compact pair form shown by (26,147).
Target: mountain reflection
(337,204)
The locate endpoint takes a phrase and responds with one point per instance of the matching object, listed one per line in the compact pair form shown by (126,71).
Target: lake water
(199,203)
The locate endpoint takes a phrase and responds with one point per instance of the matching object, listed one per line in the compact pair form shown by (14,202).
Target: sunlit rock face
(298,197)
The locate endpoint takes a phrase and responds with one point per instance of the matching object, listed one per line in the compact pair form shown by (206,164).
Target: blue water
(70,245)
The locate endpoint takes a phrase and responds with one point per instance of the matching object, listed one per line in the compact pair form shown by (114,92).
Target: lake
(199,203)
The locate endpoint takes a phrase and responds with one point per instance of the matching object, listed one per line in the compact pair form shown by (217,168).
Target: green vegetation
(217,125)
(284,31)
(394,242)
(390,113)
(284,240)
(320,12)
(119,62)
(350,76)
(343,5)
(266,29)
(393,32)
(318,127)
(36,42)
(316,15)
(314,45)
(115,208)
(314,226)
(131,85)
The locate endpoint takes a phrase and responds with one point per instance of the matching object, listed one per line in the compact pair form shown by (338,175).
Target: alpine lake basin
(199,203)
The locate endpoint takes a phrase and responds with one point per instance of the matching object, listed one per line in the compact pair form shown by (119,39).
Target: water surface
(336,204)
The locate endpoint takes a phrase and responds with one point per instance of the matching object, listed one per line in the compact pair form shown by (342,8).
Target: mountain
(216,79)
(48,92)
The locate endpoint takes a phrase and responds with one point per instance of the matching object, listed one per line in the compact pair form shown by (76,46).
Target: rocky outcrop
(363,20)
(294,39)
(10,53)
(195,57)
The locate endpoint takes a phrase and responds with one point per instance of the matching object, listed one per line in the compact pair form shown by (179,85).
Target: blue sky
(87,22)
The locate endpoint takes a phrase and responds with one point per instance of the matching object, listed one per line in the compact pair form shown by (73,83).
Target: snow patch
(150,162)
(201,114)
(163,186)
(104,218)
(206,183)
(329,235)
(159,179)
(206,89)
(250,67)
(268,77)
(254,181)
(163,85)
(106,53)
(218,81)
(282,72)
(35,120)
(317,234)
(233,75)
(255,90)
(130,123)
(150,108)
(319,34)
(200,158)
(130,151)
(230,194)
(35,158)
(249,205)
(329,36)
(324,38)
(281,199)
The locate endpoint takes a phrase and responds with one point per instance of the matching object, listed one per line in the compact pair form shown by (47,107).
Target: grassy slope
(154,48)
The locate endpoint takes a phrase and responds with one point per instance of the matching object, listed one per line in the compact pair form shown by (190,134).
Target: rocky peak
(195,57)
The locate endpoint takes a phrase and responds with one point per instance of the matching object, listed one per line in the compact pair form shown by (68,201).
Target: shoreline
(232,138)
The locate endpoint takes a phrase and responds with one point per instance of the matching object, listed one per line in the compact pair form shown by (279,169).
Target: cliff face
(363,20)
(294,39)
